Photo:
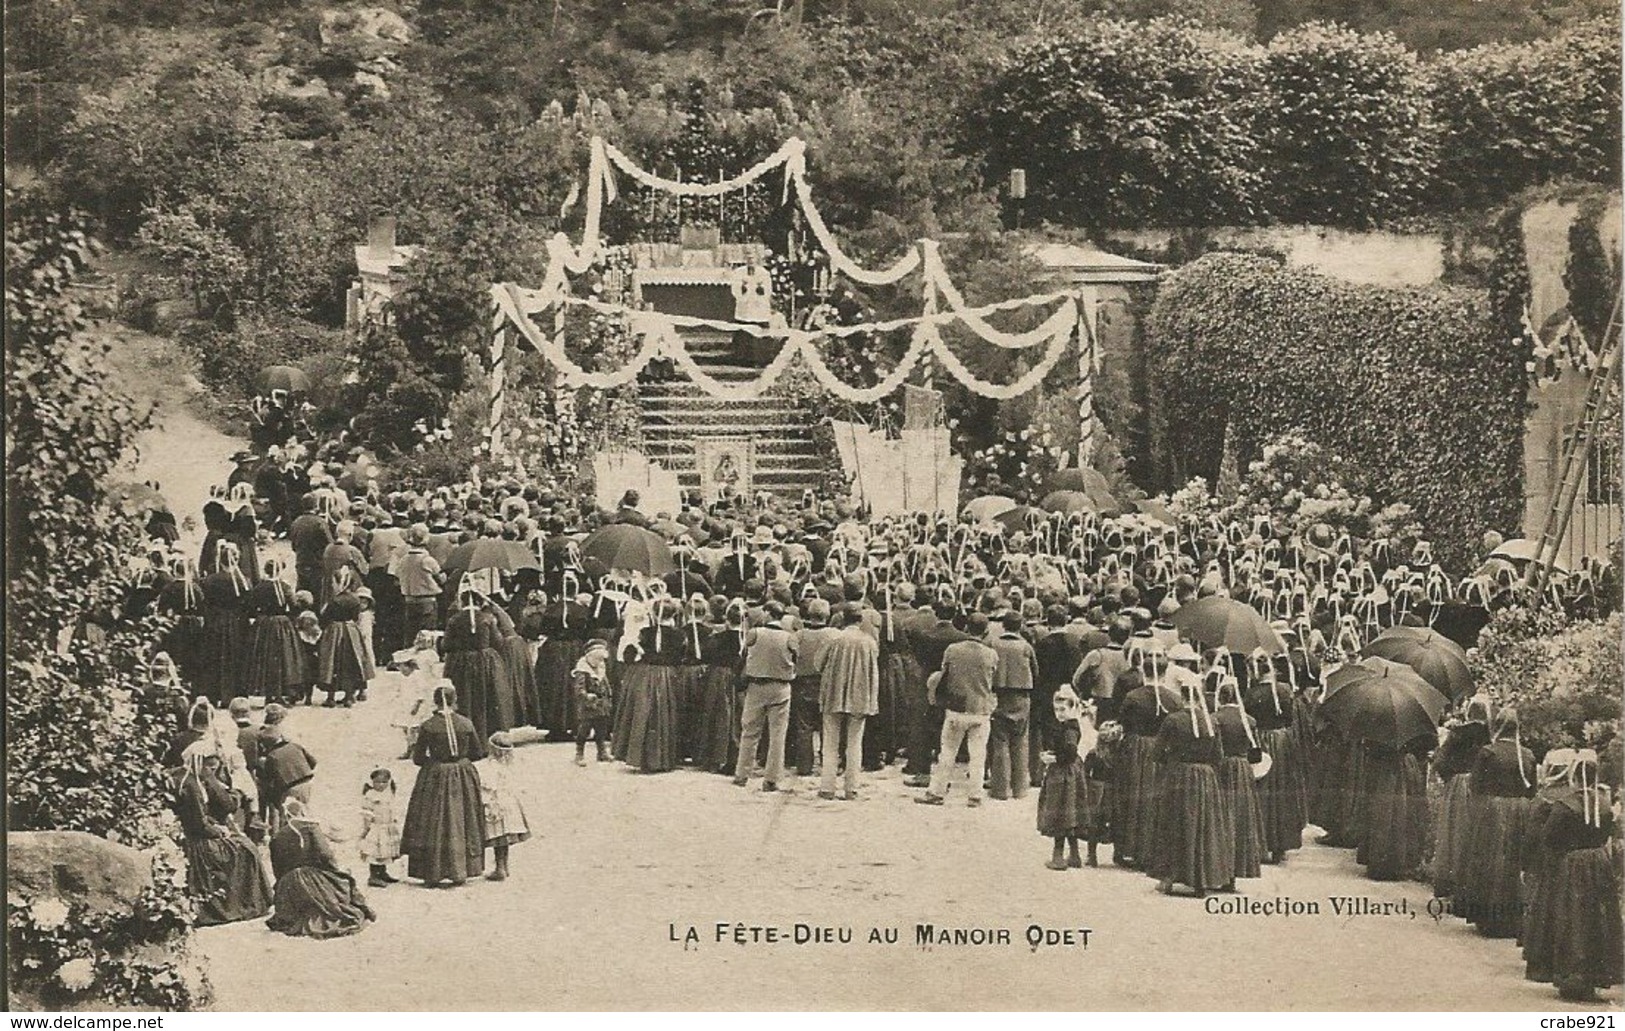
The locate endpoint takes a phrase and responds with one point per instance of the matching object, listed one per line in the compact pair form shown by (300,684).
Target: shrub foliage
(1414,386)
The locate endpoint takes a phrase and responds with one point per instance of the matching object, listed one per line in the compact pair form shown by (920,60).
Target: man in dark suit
(1058,656)
(929,644)
(628,512)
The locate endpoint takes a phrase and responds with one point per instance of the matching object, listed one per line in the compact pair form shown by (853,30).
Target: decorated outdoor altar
(732,327)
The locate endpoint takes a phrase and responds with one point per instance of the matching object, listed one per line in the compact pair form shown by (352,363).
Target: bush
(80,753)
(230,359)
(1564,678)
(1299,485)
(1126,124)
(1347,136)
(1413,386)
(1510,117)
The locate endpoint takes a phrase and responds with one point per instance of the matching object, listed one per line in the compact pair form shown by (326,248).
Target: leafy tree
(79,754)
(1591,274)
(1510,117)
(1346,129)
(1122,123)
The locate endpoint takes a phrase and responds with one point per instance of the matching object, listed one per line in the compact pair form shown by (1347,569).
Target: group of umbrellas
(1070,492)
(1396,692)
(619,546)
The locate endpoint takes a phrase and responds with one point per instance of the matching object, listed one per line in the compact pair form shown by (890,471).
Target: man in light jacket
(965,691)
(849,693)
(770,666)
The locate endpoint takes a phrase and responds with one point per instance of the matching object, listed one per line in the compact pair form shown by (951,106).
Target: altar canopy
(1071,312)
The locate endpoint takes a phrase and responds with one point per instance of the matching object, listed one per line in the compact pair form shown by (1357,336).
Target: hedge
(1510,117)
(1347,133)
(1125,123)
(1413,385)
(1161,123)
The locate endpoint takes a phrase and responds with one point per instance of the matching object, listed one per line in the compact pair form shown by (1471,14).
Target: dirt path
(619,860)
(183,453)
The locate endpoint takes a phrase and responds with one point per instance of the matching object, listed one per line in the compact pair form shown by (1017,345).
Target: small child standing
(1067,807)
(309,630)
(423,668)
(595,700)
(505,823)
(380,828)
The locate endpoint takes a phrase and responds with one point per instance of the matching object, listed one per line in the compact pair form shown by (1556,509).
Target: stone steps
(676,413)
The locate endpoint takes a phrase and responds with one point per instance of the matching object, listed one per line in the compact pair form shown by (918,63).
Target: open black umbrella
(1235,626)
(1069,502)
(1434,657)
(624,546)
(283,377)
(490,553)
(1022,517)
(1382,701)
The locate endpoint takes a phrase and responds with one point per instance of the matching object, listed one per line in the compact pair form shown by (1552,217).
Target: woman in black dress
(1454,764)
(343,665)
(1396,808)
(1282,796)
(1584,914)
(475,665)
(723,657)
(223,650)
(1239,738)
(1145,703)
(314,898)
(648,723)
(275,669)
(1490,888)
(565,628)
(1192,842)
(443,835)
(223,872)
(1540,863)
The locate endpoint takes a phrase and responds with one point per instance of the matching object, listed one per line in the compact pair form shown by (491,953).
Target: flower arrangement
(62,956)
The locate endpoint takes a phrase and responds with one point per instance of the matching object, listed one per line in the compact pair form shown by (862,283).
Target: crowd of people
(1042,650)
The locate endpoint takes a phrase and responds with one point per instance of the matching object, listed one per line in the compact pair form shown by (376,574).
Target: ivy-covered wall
(1422,388)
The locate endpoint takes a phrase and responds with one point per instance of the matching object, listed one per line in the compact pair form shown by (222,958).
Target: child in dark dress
(1068,800)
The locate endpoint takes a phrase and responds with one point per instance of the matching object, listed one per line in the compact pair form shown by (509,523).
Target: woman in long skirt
(182,599)
(690,682)
(566,628)
(715,716)
(274,669)
(343,663)
(1132,797)
(517,665)
(476,668)
(1281,792)
(314,898)
(1540,864)
(443,835)
(1584,914)
(1396,809)
(1454,765)
(1193,839)
(647,727)
(224,647)
(223,872)
(1239,738)
(1490,891)
(245,533)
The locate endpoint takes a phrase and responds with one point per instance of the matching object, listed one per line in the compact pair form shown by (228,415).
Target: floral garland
(661,340)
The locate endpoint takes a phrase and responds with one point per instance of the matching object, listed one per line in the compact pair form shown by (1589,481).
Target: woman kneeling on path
(314,898)
(444,832)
